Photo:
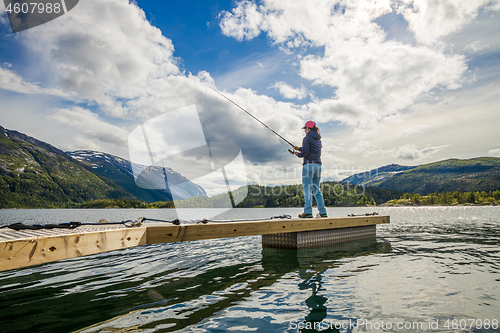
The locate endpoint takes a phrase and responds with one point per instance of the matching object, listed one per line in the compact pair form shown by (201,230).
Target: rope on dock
(284,216)
(127,223)
(366,214)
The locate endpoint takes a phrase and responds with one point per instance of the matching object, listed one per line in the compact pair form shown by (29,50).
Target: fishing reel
(294,150)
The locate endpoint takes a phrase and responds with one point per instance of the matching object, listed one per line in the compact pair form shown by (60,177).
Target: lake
(431,269)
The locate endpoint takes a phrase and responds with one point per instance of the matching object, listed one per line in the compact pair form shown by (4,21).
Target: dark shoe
(304,215)
(321,215)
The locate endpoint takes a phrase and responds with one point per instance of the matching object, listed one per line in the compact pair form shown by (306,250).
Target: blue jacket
(311,148)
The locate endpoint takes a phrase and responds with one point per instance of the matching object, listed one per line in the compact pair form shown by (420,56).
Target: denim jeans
(311,175)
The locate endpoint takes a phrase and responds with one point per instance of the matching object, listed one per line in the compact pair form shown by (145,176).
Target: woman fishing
(311,169)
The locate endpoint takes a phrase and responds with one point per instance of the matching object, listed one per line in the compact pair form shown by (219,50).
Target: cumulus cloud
(431,20)
(206,78)
(108,55)
(243,23)
(373,78)
(90,126)
(290,92)
(106,51)
(383,78)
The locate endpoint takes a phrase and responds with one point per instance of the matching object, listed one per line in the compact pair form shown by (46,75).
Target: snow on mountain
(121,172)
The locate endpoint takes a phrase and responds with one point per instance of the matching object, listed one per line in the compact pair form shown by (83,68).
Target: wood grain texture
(182,233)
(22,252)
(39,250)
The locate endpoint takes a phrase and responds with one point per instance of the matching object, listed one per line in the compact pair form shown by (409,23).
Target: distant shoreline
(452,205)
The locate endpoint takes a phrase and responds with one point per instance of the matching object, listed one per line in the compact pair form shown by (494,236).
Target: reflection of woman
(311,169)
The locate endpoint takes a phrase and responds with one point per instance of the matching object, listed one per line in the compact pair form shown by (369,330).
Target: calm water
(430,266)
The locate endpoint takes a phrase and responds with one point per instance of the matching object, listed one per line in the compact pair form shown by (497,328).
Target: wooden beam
(191,232)
(36,247)
(39,250)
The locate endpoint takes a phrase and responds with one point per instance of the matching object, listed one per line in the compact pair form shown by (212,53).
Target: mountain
(120,171)
(475,174)
(374,176)
(35,174)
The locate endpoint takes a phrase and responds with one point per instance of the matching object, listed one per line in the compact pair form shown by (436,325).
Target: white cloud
(90,128)
(13,82)
(374,78)
(106,51)
(494,152)
(494,6)
(405,153)
(431,19)
(110,56)
(295,23)
(410,152)
(433,150)
(205,77)
(243,23)
(418,129)
(289,92)
(383,78)
(253,71)
(475,46)
(361,147)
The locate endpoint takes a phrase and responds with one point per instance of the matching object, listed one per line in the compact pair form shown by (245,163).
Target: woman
(311,169)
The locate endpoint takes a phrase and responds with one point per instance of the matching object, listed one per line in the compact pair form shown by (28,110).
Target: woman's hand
(297,153)
(296,148)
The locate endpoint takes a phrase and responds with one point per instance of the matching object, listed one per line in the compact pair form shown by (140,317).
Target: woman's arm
(305,148)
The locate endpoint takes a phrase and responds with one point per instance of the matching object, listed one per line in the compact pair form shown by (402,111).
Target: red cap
(309,124)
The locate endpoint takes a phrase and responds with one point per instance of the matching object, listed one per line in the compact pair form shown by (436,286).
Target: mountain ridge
(368,178)
(473,174)
(121,172)
(35,174)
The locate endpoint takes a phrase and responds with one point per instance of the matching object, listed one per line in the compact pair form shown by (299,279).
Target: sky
(390,81)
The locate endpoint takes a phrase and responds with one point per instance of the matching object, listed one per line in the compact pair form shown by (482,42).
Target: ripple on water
(428,263)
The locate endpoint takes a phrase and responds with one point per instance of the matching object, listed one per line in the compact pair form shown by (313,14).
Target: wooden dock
(32,247)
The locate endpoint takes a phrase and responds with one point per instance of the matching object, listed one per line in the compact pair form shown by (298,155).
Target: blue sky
(394,81)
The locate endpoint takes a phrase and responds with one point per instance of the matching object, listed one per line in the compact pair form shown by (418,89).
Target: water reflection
(181,288)
(311,264)
(443,264)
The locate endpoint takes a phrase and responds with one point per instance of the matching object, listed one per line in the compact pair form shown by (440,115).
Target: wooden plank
(28,250)
(39,250)
(170,233)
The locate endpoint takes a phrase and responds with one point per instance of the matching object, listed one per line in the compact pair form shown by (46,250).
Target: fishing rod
(251,115)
